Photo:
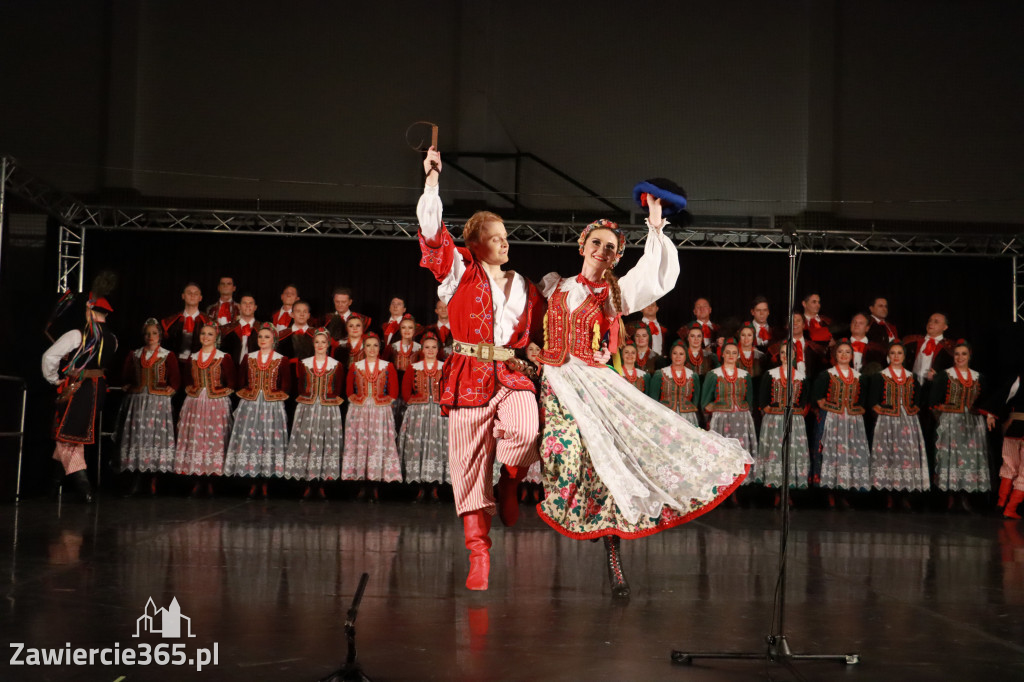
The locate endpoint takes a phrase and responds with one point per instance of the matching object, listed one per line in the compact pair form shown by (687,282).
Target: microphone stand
(776,645)
(351,671)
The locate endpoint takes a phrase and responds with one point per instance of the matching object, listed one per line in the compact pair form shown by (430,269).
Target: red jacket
(467,381)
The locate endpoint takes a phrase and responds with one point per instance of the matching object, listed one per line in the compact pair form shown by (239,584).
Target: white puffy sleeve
(653,276)
(549,283)
(53,355)
(429,212)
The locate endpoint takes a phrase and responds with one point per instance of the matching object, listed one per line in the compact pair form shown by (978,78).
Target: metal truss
(553,233)
(69,212)
(750,234)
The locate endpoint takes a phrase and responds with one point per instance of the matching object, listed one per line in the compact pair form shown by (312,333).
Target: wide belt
(486,352)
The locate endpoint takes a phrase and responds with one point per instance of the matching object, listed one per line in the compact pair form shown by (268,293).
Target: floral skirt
(370,452)
(147,434)
(423,442)
(961,453)
(314,451)
(203,429)
(670,471)
(259,439)
(738,425)
(768,463)
(843,452)
(899,460)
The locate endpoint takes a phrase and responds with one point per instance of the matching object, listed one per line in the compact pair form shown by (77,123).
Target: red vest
(467,381)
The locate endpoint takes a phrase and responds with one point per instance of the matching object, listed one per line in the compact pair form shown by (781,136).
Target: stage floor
(917,596)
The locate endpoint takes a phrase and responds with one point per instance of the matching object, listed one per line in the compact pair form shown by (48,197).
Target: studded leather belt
(486,352)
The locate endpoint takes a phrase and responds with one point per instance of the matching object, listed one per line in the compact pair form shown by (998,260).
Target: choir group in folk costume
(571,386)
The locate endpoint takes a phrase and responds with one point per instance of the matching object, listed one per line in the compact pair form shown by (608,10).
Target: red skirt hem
(677,521)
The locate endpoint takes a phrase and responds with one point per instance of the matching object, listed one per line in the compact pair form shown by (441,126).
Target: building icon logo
(165,622)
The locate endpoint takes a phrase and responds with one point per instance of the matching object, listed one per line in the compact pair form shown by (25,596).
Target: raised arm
(437,248)
(656,272)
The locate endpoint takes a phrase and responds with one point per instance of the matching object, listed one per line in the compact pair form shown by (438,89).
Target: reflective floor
(267,585)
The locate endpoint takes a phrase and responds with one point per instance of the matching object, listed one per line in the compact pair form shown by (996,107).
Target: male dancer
(490,402)
(81,386)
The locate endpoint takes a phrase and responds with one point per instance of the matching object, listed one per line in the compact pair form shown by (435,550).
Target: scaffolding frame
(743,234)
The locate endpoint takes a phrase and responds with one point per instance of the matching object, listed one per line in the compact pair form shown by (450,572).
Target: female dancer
(727,397)
(314,451)
(677,387)
(630,372)
(750,359)
(350,348)
(401,354)
(646,358)
(773,401)
(899,461)
(961,440)
(616,463)
(147,437)
(843,454)
(259,438)
(698,358)
(205,420)
(370,452)
(423,438)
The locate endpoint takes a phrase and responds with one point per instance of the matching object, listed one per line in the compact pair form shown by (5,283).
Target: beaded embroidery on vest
(209,378)
(570,333)
(897,395)
(842,397)
(318,387)
(959,398)
(677,396)
(152,378)
(264,380)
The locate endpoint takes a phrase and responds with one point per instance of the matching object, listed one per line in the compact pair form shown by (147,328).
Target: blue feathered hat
(673,198)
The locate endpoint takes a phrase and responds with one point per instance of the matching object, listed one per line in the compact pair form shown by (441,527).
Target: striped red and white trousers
(1013,462)
(71,456)
(506,428)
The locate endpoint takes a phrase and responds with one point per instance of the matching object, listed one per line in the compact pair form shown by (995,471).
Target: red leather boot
(476,525)
(1016,497)
(1005,484)
(508,497)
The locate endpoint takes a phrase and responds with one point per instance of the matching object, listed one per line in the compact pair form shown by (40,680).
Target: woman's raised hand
(654,212)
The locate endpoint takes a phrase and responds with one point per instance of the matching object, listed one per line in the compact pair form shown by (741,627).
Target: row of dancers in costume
(253,439)
(838,456)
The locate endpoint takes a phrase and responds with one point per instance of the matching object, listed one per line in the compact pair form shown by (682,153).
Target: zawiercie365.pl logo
(168,622)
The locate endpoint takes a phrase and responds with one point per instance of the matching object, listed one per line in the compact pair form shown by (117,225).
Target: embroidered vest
(842,397)
(675,395)
(777,398)
(371,390)
(898,397)
(426,387)
(263,380)
(730,396)
(319,388)
(152,379)
(571,333)
(208,378)
(959,398)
